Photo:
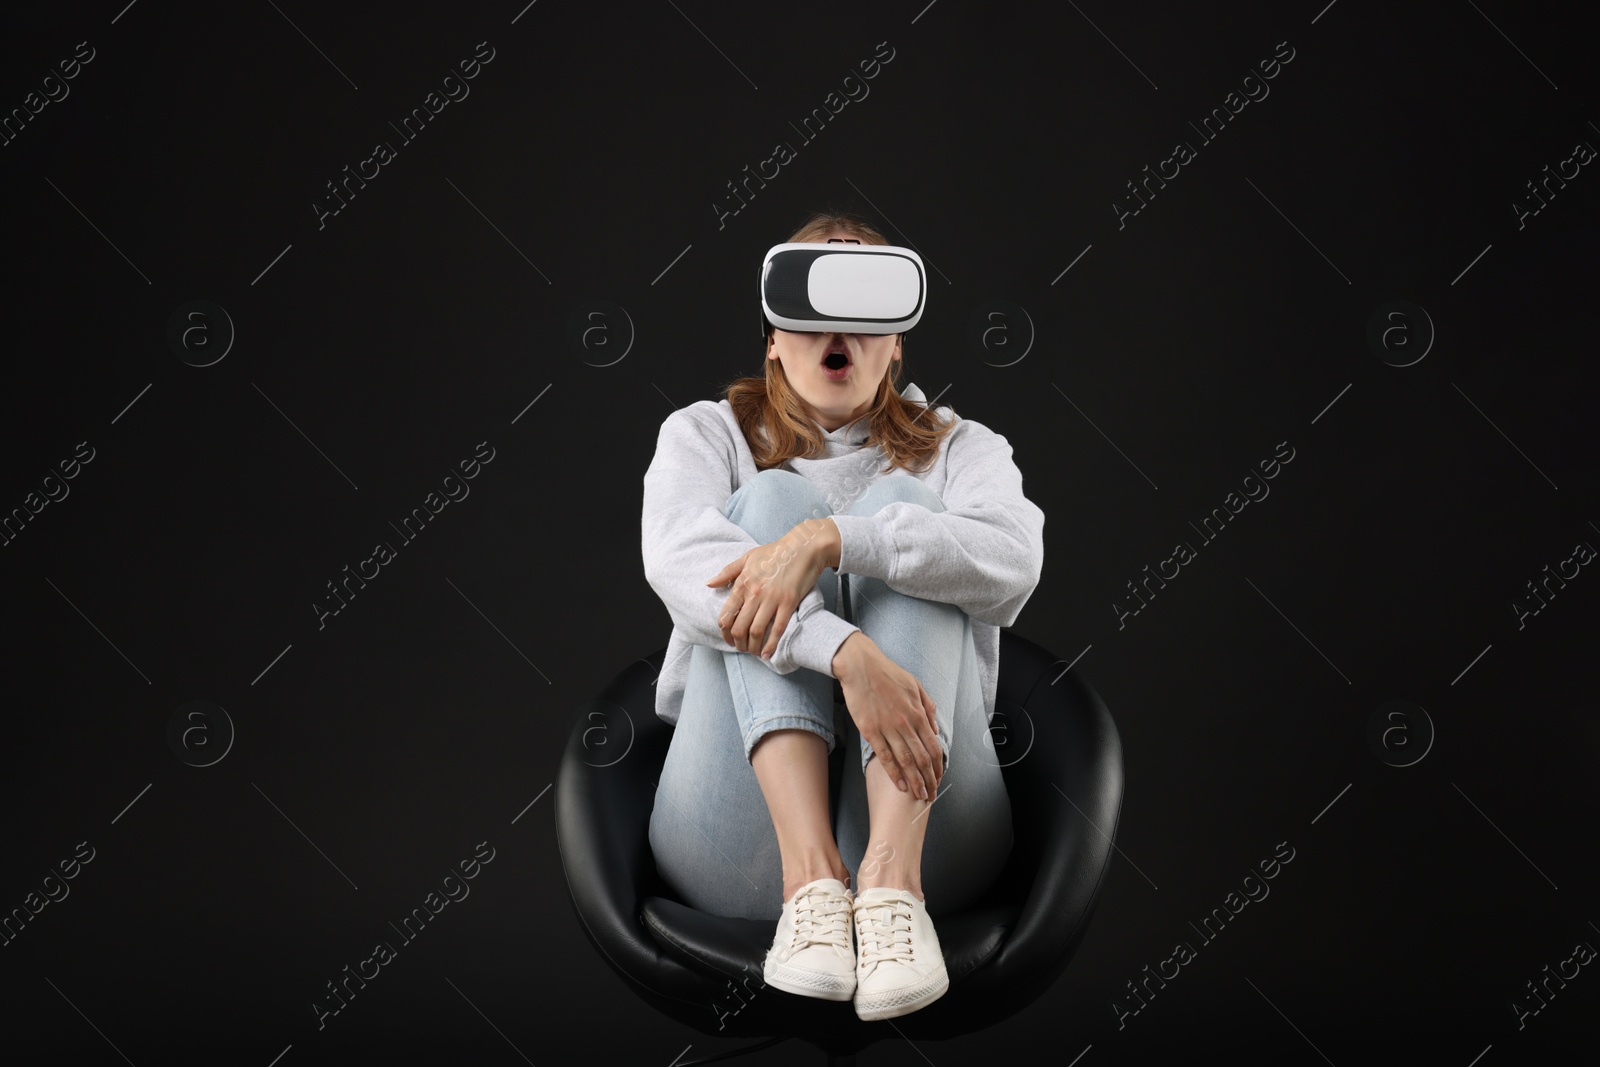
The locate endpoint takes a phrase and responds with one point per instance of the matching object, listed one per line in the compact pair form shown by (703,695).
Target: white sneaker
(899,967)
(811,953)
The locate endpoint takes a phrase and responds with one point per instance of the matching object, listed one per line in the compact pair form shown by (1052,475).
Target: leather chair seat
(1061,758)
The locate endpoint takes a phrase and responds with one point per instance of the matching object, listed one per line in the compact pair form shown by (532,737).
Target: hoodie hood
(852,435)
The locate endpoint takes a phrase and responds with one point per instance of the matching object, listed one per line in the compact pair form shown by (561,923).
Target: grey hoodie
(984,553)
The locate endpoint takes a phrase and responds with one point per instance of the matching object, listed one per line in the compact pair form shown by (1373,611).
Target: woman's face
(834,403)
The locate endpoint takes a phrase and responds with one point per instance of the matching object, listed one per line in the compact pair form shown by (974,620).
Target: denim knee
(773,503)
(894,488)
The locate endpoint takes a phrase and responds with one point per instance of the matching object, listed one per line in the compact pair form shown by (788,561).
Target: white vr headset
(842,287)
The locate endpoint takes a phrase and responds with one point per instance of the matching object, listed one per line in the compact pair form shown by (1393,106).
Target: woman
(861,537)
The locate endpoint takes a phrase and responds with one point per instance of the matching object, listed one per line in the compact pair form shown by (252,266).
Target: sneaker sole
(898,1002)
(809,983)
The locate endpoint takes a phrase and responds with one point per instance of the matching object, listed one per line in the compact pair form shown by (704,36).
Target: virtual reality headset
(842,288)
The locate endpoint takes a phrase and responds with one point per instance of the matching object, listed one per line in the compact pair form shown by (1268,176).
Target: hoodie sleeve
(685,538)
(984,553)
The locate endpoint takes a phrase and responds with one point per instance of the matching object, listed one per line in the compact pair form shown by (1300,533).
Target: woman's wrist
(852,654)
(821,538)
(830,542)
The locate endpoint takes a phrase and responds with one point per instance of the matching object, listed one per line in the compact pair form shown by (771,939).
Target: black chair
(1062,763)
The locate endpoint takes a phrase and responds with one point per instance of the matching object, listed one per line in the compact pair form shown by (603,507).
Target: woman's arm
(685,540)
(984,553)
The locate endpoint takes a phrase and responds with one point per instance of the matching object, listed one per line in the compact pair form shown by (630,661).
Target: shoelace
(885,932)
(821,918)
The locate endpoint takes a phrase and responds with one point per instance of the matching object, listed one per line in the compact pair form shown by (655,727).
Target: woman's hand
(894,713)
(769,582)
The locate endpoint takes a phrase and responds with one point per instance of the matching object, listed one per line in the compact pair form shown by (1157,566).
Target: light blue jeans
(711,831)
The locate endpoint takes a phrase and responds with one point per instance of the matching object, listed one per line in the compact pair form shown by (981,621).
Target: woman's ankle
(887,879)
(812,872)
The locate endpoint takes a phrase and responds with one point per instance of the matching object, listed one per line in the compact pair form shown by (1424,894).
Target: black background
(434,312)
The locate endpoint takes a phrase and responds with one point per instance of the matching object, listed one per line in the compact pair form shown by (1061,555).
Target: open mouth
(836,359)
